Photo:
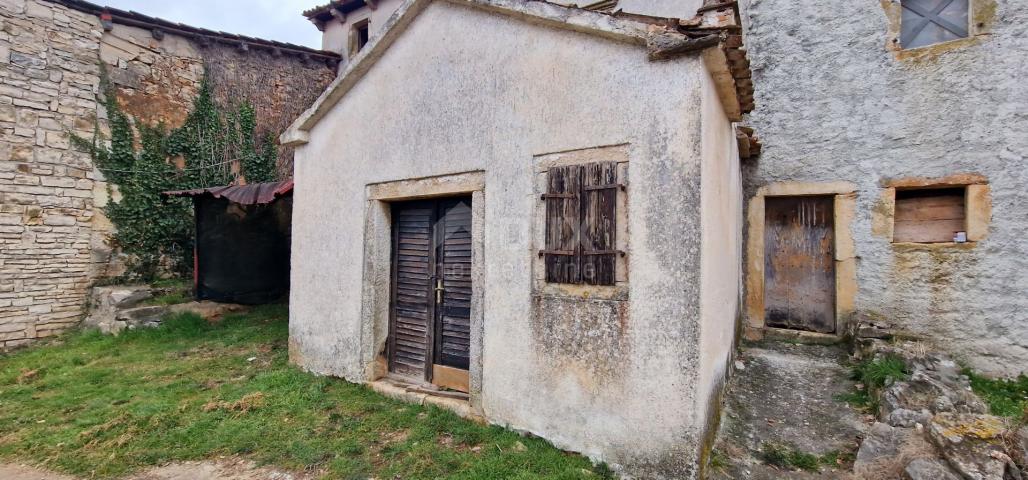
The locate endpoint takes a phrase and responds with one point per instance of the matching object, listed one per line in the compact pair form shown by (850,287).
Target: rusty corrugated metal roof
(253,194)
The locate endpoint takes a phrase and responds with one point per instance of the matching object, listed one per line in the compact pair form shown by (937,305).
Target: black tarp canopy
(242,241)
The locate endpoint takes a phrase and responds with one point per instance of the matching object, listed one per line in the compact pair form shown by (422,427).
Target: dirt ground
(786,394)
(229,469)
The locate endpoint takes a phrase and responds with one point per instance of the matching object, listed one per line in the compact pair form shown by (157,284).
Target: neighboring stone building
(909,147)
(53,235)
(540,214)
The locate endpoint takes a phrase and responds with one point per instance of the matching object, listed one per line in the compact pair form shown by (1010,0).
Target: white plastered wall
(493,102)
(721,250)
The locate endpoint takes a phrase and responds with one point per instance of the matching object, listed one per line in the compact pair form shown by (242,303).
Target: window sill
(584,292)
(913,246)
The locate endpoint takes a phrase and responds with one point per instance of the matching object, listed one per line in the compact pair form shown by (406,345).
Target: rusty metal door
(799,263)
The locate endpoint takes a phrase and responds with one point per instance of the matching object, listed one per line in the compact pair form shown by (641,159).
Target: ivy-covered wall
(212,147)
(156,83)
(157,80)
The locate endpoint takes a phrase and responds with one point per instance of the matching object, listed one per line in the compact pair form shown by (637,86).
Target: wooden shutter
(412,281)
(581,205)
(453,340)
(599,199)
(563,213)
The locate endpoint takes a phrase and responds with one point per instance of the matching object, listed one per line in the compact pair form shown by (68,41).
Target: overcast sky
(269,19)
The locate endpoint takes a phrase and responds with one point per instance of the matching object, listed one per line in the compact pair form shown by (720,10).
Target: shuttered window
(580,224)
(934,215)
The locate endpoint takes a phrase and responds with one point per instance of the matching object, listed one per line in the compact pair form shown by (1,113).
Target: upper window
(931,215)
(927,22)
(360,36)
(581,207)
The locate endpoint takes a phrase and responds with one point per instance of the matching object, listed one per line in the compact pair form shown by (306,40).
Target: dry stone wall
(49,77)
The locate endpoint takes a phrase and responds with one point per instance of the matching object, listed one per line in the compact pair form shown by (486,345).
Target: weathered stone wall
(157,80)
(49,76)
(836,101)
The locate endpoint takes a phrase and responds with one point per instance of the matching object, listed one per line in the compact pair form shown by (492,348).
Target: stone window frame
(845,205)
(980,19)
(617,153)
(977,207)
(377,268)
(355,46)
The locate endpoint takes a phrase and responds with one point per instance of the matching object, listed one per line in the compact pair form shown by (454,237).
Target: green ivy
(156,233)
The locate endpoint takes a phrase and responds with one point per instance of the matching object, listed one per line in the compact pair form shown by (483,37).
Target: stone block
(7,113)
(63,182)
(39,9)
(58,140)
(46,308)
(971,443)
(59,220)
(26,61)
(13,6)
(27,118)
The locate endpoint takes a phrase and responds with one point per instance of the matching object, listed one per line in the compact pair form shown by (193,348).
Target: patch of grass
(785,456)
(1005,397)
(788,457)
(101,407)
(874,375)
(718,460)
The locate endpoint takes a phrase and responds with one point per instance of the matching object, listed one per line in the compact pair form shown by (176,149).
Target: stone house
(53,234)
(900,131)
(548,219)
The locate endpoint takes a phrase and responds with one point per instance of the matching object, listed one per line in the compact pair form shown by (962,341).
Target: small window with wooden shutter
(581,204)
(930,215)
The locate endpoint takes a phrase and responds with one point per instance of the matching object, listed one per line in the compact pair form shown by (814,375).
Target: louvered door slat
(412,286)
(454,270)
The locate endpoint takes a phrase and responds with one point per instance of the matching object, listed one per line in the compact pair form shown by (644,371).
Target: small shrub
(878,373)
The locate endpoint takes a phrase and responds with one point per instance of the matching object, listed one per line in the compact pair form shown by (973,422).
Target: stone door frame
(378,266)
(845,204)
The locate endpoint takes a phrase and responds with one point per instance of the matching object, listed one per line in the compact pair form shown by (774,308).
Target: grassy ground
(103,406)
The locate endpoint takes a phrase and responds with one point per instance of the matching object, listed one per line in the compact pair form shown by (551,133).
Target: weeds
(102,407)
(788,457)
(873,375)
(1005,398)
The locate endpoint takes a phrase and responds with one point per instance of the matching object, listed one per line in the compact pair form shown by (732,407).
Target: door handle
(439,291)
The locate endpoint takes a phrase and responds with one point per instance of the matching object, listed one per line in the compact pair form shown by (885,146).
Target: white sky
(268,19)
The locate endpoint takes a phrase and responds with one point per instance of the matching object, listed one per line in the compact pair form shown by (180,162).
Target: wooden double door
(430,317)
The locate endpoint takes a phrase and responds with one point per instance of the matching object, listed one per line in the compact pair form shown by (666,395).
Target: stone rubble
(936,408)
(120,308)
